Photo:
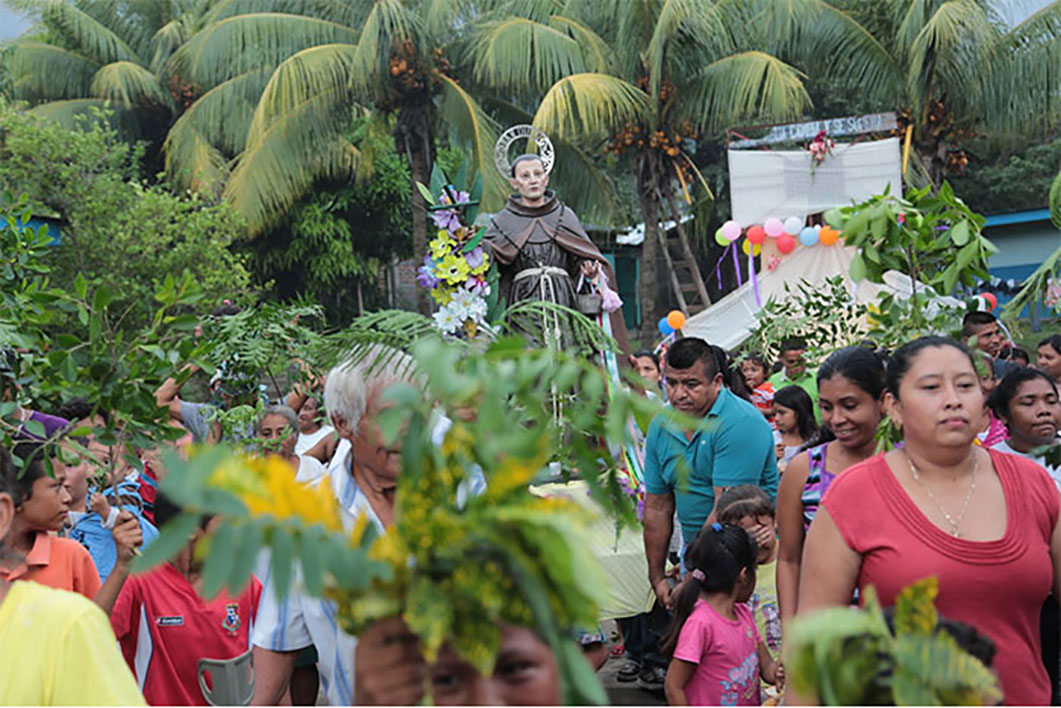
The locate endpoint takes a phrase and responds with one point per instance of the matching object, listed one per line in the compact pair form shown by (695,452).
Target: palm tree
(86,54)
(951,68)
(283,79)
(677,70)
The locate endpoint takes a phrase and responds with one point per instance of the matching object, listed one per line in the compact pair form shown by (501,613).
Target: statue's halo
(517,132)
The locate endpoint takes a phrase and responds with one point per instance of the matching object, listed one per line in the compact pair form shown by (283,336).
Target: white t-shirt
(1055,472)
(310,469)
(306,442)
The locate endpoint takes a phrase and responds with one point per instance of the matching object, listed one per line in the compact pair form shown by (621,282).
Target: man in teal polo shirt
(794,371)
(733,446)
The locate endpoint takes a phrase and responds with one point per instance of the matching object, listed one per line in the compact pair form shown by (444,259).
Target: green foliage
(845,656)
(120,235)
(935,239)
(1001,182)
(825,315)
(335,242)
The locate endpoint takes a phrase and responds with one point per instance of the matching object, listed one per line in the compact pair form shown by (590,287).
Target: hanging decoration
(820,147)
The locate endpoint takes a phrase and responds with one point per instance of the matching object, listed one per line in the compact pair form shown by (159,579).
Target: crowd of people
(777,502)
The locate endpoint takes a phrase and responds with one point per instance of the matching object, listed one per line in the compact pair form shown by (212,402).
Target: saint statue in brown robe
(542,250)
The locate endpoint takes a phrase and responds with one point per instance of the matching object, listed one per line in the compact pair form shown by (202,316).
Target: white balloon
(793,224)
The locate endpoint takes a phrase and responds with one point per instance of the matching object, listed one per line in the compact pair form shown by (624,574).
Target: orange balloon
(676,319)
(828,236)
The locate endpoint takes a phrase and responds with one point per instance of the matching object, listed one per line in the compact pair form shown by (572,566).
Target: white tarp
(765,183)
(729,321)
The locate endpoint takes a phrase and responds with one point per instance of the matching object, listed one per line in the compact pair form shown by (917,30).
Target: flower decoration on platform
(821,147)
(456,265)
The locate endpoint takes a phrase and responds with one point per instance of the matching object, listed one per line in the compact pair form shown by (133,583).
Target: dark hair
(743,500)
(859,365)
(964,635)
(649,354)
(798,400)
(684,353)
(719,553)
(1017,353)
(756,358)
(75,409)
(904,356)
(793,344)
(166,510)
(1004,393)
(526,157)
(21,467)
(1054,340)
(974,319)
(731,376)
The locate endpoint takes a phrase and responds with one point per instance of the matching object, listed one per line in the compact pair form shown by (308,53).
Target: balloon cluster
(786,232)
(673,322)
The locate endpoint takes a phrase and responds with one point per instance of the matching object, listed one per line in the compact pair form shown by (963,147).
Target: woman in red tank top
(983,522)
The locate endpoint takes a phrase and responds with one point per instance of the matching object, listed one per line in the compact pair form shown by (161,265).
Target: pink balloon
(731,230)
(773,227)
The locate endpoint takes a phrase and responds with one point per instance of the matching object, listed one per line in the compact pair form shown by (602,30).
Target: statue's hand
(590,268)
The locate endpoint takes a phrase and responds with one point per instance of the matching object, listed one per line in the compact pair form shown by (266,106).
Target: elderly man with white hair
(363,474)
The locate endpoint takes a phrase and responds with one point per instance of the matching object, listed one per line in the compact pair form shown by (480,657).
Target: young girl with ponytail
(718,654)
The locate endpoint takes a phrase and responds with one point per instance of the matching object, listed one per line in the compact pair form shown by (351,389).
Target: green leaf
(858,268)
(219,559)
(100,299)
(475,195)
(310,553)
(959,233)
(426,193)
(915,608)
(173,536)
(283,551)
(438,179)
(69,369)
(81,286)
(474,241)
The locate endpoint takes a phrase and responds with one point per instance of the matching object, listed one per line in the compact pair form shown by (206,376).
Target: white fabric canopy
(767,183)
(731,320)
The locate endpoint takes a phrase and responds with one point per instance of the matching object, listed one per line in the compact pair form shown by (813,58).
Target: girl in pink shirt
(718,655)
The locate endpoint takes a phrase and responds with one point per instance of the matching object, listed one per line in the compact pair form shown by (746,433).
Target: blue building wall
(1024,240)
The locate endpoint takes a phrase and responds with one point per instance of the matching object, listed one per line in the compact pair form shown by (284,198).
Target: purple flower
(475,258)
(426,273)
(446,219)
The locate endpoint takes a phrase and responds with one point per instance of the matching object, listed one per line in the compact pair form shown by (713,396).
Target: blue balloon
(664,328)
(808,236)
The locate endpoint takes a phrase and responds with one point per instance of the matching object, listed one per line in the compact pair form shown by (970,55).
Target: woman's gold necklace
(953,522)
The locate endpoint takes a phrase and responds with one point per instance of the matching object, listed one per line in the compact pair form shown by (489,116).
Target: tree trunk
(647,195)
(414,137)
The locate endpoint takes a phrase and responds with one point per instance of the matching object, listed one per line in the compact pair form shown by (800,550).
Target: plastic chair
(233,680)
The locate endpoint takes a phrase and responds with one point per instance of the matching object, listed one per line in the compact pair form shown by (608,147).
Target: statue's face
(530,181)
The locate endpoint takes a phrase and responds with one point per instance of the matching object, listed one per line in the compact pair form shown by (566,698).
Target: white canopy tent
(780,184)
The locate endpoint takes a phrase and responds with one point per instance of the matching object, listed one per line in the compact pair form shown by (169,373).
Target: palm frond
(220,117)
(194,162)
(44,71)
(351,14)
(67,112)
(1055,202)
(950,45)
(597,55)
(282,161)
(586,105)
(389,25)
(823,40)
(323,69)
(1019,76)
(517,53)
(530,317)
(373,334)
(129,85)
(91,38)
(74,112)
(240,44)
(691,18)
(168,39)
(470,126)
(745,86)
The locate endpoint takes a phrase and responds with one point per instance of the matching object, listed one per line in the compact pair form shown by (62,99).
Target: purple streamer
(736,264)
(752,277)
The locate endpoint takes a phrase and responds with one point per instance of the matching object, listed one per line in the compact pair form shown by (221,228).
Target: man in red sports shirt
(164,625)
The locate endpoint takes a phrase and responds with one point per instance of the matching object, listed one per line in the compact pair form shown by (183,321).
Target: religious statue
(541,249)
